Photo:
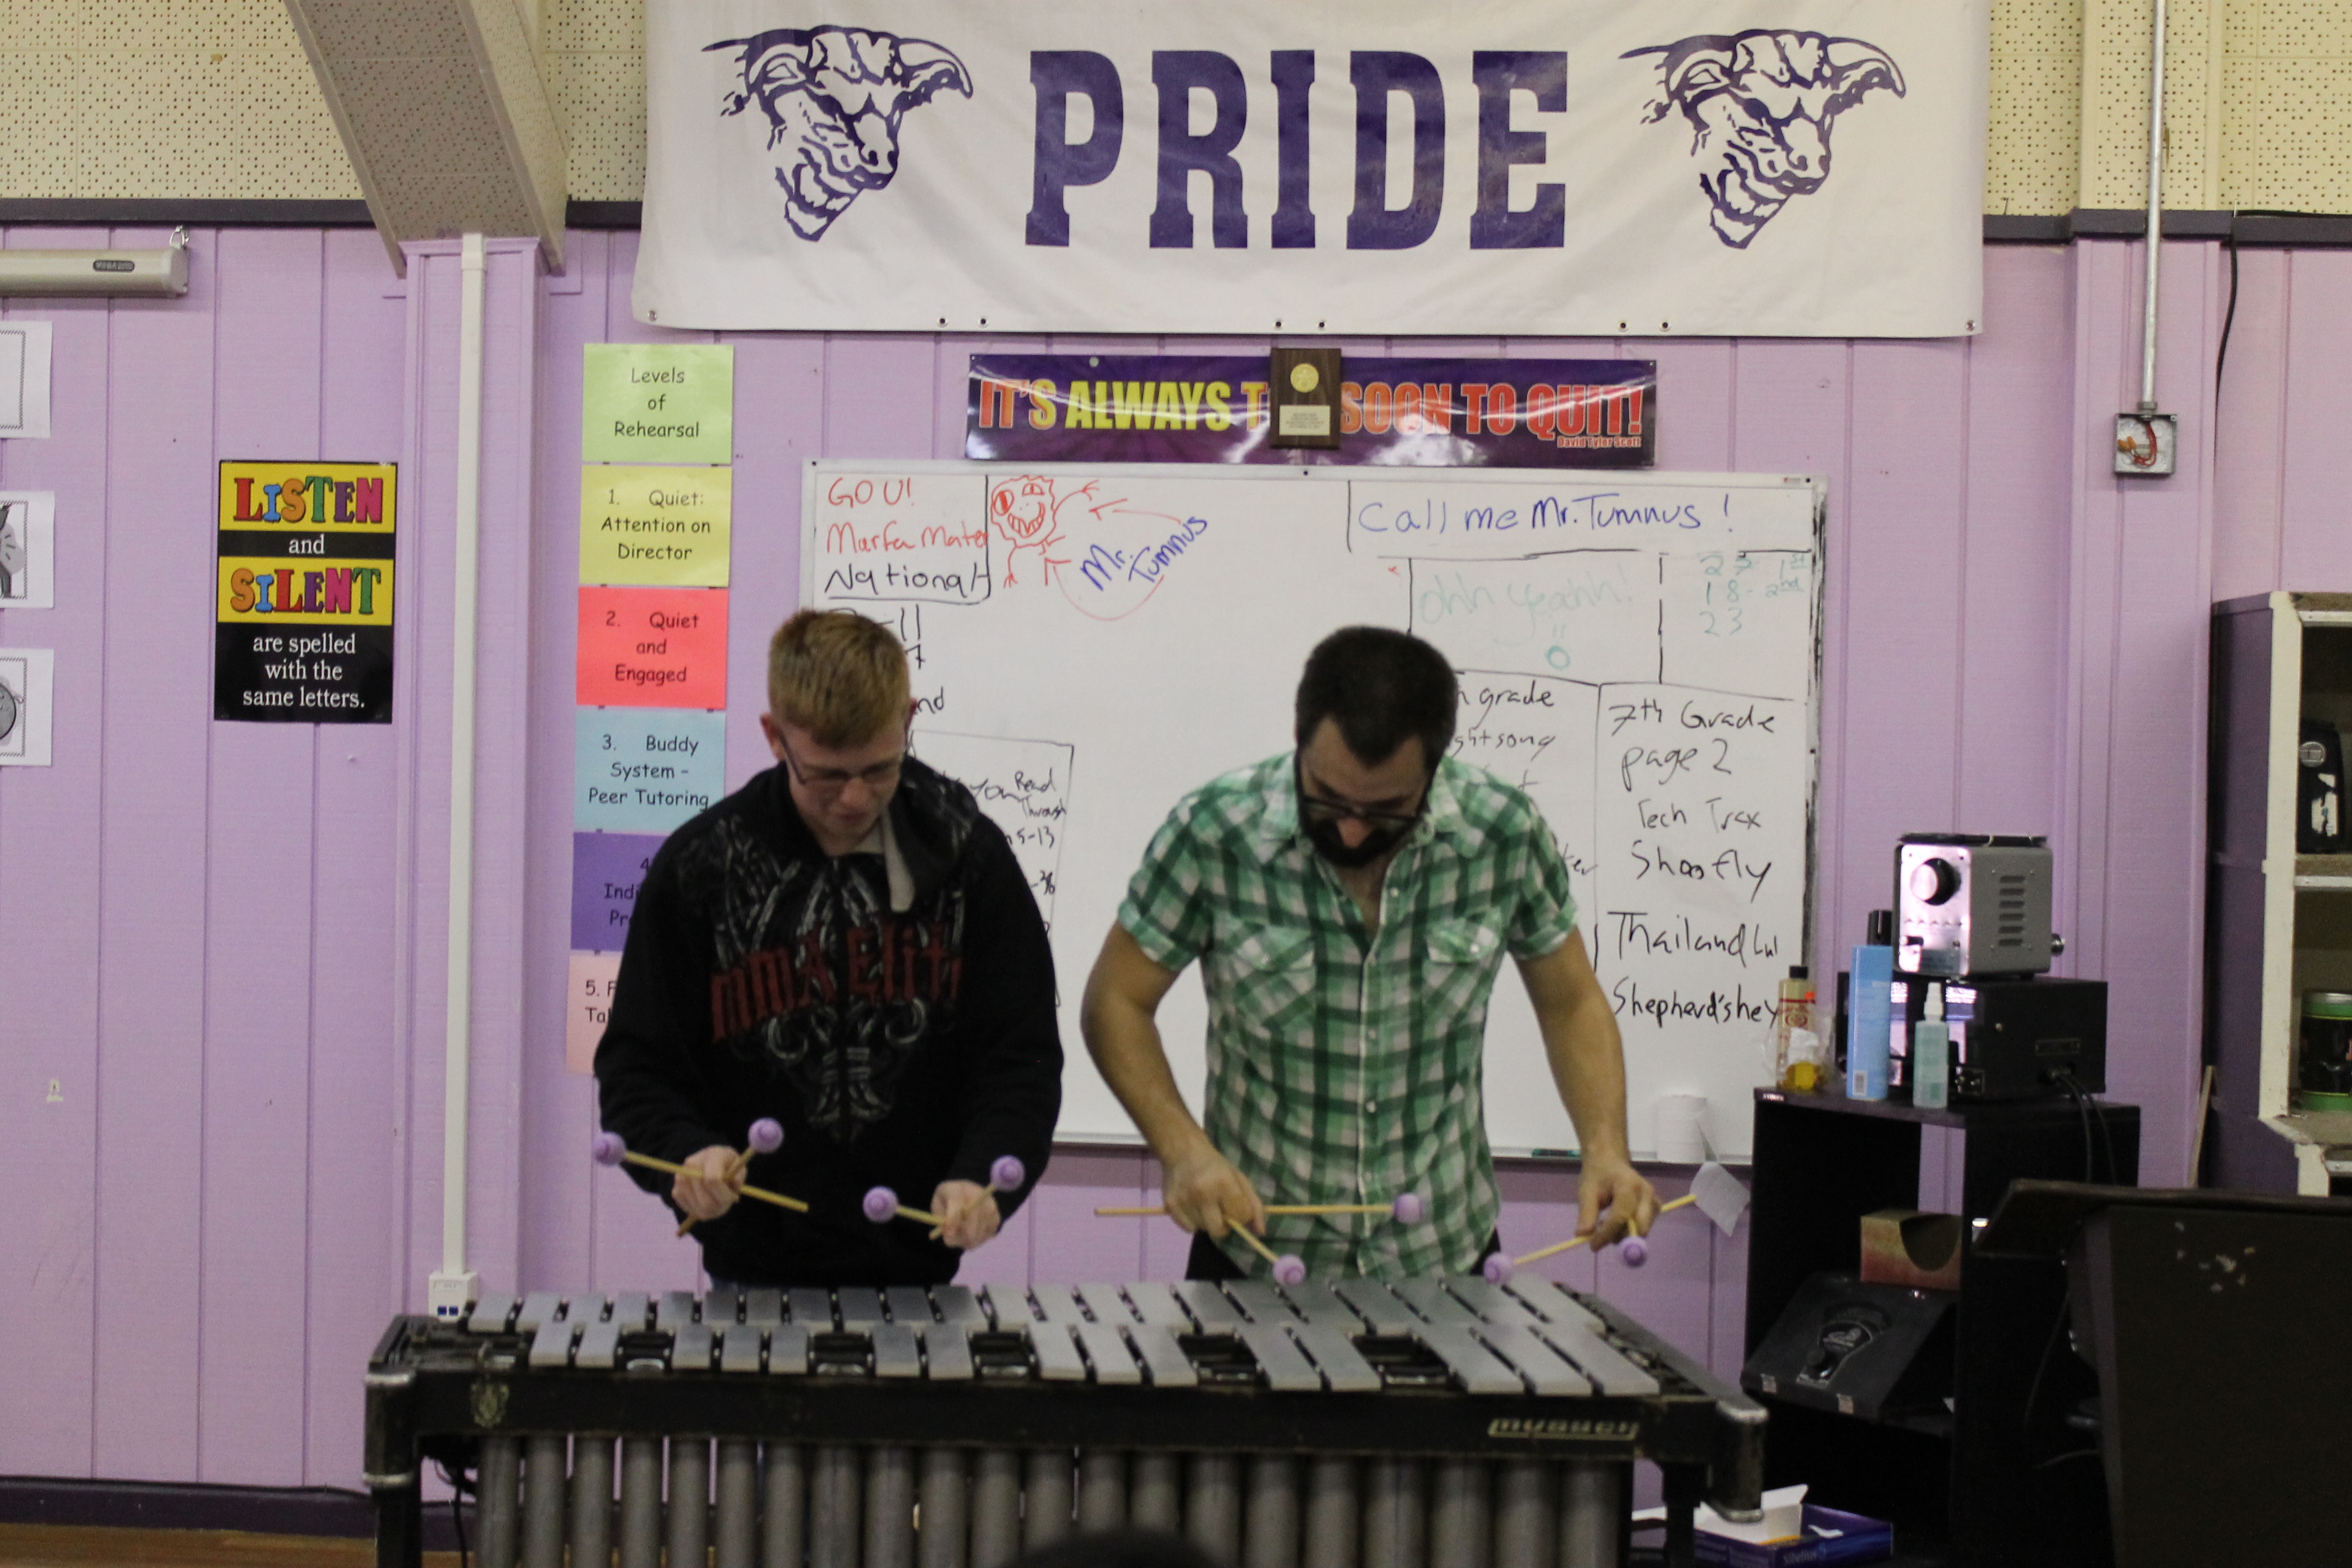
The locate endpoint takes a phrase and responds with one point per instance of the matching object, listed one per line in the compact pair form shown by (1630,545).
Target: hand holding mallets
(1405,1208)
(1005,1176)
(766,1137)
(881,1205)
(1633,1251)
(1715,1191)
(609,1149)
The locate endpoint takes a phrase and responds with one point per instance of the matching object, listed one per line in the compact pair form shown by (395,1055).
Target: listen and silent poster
(303,626)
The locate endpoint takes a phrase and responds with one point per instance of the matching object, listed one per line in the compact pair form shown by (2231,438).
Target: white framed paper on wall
(24,378)
(26,679)
(27,549)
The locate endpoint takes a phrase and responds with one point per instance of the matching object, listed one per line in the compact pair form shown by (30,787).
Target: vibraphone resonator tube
(1450,1423)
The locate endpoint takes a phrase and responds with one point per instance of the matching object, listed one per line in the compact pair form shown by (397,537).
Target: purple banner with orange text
(1405,412)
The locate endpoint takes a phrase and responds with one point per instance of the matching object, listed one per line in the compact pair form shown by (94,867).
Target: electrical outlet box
(452,1295)
(2145,444)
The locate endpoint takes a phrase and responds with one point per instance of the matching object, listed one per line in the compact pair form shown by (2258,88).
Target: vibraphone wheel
(1395,1517)
(1458,1514)
(835,1520)
(995,1508)
(783,1507)
(1523,1514)
(497,1487)
(689,1499)
(738,1535)
(1154,1493)
(543,1500)
(1270,1516)
(1591,1501)
(946,1518)
(641,1502)
(889,1509)
(1047,1500)
(591,1500)
(1332,1512)
(1213,1505)
(1102,1490)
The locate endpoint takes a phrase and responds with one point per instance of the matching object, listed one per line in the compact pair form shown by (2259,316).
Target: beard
(1378,841)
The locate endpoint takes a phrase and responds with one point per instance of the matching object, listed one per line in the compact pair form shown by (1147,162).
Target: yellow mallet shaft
(765,1196)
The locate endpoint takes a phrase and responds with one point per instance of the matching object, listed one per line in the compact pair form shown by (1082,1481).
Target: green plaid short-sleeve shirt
(1343,1070)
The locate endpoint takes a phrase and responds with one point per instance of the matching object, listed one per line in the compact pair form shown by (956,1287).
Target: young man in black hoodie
(845,945)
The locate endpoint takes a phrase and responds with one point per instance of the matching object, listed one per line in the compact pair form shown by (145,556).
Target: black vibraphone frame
(434,1390)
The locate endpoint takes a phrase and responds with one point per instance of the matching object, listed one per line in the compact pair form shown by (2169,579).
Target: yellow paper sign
(655,527)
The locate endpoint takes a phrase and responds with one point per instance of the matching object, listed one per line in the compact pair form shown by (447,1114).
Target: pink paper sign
(653,648)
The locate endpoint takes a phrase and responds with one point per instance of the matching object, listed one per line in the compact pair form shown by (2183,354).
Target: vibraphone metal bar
(1447,1423)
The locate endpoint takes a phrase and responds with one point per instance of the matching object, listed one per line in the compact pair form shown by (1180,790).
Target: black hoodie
(765,977)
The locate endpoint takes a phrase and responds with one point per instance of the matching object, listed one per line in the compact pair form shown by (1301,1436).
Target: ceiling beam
(450,123)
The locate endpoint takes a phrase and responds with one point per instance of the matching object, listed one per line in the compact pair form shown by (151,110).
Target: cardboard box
(1904,1247)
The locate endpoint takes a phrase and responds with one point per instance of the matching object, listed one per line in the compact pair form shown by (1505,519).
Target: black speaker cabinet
(1857,1349)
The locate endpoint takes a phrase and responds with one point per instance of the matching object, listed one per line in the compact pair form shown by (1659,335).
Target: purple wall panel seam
(148,1245)
(98,966)
(1960,578)
(2286,381)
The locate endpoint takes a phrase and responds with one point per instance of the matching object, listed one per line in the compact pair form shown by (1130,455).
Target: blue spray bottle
(1869,1012)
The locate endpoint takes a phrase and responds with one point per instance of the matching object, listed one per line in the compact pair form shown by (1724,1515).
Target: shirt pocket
(1267,979)
(1458,961)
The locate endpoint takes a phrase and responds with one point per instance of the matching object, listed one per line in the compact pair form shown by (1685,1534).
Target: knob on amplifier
(1972,904)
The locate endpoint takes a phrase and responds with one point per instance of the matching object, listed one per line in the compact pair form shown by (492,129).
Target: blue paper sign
(645,770)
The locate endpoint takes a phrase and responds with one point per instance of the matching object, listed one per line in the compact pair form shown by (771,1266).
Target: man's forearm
(1588,1063)
(1582,1046)
(1125,1045)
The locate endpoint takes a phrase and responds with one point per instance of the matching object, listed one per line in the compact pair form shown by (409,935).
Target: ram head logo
(833,98)
(1762,102)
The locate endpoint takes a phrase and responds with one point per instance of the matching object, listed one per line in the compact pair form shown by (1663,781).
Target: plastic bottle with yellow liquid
(1799,1061)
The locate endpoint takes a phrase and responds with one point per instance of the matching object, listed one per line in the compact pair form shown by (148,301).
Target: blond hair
(839,675)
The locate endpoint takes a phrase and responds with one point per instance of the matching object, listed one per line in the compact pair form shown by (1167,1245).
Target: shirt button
(1371,1107)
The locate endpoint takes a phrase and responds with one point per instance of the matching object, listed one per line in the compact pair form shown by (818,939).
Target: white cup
(1681,1129)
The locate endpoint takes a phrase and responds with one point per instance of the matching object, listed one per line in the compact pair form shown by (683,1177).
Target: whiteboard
(1640,652)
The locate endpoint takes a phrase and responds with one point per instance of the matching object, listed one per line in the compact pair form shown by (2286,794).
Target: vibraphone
(1447,1423)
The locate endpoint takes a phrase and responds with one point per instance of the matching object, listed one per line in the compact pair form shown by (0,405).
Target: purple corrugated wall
(223,944)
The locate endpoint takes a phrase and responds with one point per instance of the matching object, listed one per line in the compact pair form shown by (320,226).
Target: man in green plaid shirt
(1349,904)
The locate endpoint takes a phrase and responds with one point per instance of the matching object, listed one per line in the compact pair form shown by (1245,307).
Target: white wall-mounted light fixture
(58,274)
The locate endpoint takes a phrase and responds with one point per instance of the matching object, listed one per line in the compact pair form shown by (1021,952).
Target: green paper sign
(658,402)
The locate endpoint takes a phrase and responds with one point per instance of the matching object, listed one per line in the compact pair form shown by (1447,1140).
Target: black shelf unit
(2007,1480)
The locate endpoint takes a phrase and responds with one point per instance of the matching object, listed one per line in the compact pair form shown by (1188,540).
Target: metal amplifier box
(1972,904)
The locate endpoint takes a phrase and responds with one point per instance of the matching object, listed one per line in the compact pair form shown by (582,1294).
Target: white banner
(1569,167)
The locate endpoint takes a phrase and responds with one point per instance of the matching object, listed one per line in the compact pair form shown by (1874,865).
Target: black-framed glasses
(832,781)
(1316,808)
